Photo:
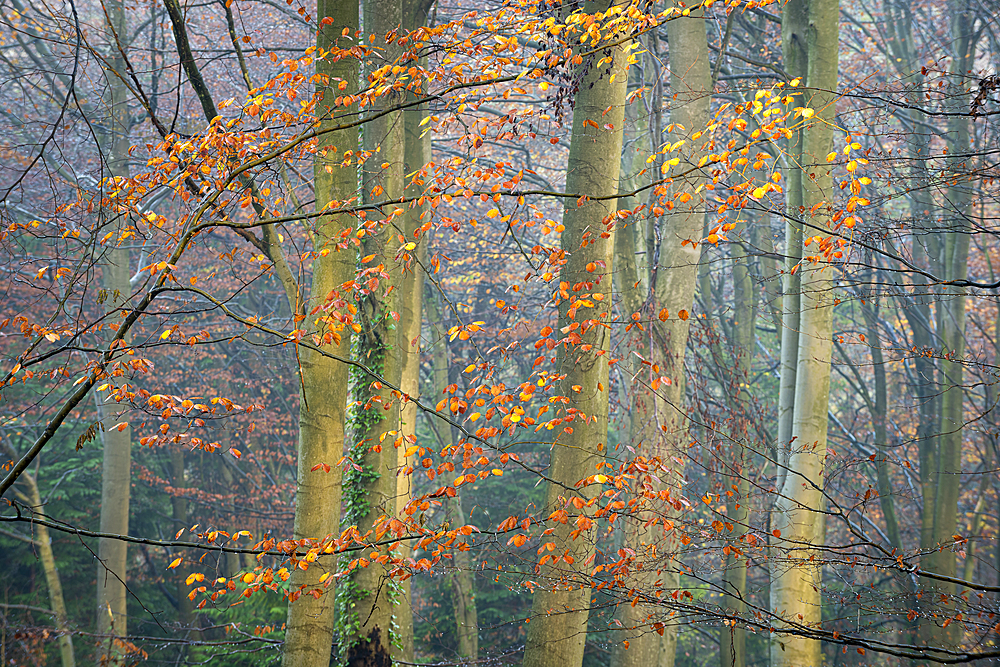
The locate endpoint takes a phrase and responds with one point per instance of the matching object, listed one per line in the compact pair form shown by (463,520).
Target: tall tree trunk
(323,388)
(558,629)
(33,499)
(369,597)
(116,479)
(417,153)
(462,581)
(633,284)
(794,29)
(795,567)
(951,323)
(677,267)
(662,422)
(732,638)
(879,409)
(179,507)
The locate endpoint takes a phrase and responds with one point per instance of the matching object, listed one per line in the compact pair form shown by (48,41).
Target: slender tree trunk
(323,388)
(633,284)
(732,638)
(558,629)
(116,479)
(796,570)
(794,29)
(951,322)
(464,597)
(185,605)
(462,581)
(52,581)
(879,410)
(323,381)
(370,596)
(417,153)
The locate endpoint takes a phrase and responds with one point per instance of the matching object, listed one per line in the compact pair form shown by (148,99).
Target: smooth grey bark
(561,606)
(116,478)
(878,406)
(794,29)
(417,153)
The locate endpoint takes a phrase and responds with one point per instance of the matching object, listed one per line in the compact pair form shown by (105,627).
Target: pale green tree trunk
(732,638)
(417,153)
(116,479)
(660,421)
(947,476)
(879,406)
(463,593)
(369,598)
(52,580)
(676,272)
(43,542)
(794,29)
(558,628)
(926,253)
(323,388)
(795,566)
(179,508)
(633,284)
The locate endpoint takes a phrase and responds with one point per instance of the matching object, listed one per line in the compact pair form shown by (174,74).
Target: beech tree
(795,592)
(560,608)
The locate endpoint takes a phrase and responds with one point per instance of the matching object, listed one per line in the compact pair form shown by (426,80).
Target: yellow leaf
(174,563)
(165,335)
